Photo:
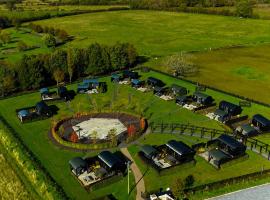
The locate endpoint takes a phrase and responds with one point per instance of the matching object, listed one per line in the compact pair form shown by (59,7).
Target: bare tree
(181,64)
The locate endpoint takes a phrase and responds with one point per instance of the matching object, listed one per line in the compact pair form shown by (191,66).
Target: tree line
(33,72)
(244,8)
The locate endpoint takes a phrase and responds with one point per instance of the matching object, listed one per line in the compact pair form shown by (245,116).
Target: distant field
(162,33)
(10,51)
(242,71)
(10,185)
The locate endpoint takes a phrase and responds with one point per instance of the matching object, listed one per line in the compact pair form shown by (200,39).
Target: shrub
(49,40)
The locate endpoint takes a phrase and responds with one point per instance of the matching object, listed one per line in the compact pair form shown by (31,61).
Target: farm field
(157,33)
(55,160)
(203,172)
(11,186)
(223,68)
(244,67)
(10,51)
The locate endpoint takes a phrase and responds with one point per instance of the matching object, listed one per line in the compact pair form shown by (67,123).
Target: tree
(70,63)
(49,40)
(58,75)
(112,136)
(244,9)
(11,5)
(181,65)
(178,187)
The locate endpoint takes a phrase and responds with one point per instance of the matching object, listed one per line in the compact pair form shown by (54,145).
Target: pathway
(261,192)
(140,187)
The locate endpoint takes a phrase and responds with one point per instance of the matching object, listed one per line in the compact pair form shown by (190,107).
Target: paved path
(140,187)
(261,192)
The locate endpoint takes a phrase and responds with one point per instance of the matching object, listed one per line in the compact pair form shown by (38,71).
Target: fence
(253,144)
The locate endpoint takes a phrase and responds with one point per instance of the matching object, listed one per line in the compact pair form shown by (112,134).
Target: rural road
(261,192)
(140,187)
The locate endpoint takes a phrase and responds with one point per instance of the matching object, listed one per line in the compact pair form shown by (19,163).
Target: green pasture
(157,33)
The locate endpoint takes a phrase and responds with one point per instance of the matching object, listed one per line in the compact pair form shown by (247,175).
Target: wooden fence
(253,144)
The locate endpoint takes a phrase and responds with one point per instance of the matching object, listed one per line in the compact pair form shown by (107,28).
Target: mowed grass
(127,99)
(203,172)
(157,33)
(55,160)
(10,51)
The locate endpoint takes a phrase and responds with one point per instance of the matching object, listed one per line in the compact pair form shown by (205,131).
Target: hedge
(44,185)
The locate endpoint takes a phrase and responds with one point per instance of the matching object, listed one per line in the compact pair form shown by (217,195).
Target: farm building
(163,195)
(78,165)
(260,122)
(159,91)
(165,156)
(231,146)
(180,150)
(202,98)
(130,74)
(92,170)
(154,82)
(136,83)
(43,109)
(92,86)
(116,78)
(149,151)
(230,108)
(246,130)
(227,148)
(182,100)
(40,110)
(179,90)
(221,115)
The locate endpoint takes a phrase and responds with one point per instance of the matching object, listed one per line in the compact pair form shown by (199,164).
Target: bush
(49,40)
(244,9)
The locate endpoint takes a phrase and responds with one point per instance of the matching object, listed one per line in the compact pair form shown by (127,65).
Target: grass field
(159,34)
(10,51)
(242,71)
(55,160)
(11,186)
(162,33)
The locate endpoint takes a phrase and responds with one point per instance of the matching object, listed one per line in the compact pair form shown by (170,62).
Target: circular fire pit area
(98,130)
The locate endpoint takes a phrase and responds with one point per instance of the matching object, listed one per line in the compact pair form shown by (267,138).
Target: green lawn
(157,33)
(203,172)
(55,160)
(10,51)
